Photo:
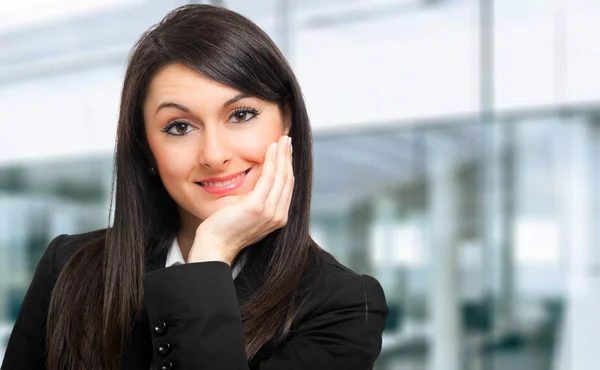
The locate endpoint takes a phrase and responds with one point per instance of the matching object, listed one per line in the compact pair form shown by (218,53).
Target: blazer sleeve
(26,347)
(196,323)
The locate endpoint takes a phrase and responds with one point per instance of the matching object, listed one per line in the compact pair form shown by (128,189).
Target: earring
(152,171)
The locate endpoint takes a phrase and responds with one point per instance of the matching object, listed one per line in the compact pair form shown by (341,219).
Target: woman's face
(201,133)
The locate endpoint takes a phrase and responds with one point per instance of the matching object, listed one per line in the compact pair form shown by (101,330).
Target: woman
(208,263)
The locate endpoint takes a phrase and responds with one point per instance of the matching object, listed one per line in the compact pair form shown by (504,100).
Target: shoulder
(69,243)
(64,246)
(337,276)
(340,286)
(343,321)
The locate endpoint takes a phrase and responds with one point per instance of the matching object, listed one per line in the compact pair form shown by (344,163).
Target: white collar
(174,257)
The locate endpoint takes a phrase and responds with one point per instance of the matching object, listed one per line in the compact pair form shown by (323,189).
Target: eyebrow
(187,110)
(172,105)
(235,99)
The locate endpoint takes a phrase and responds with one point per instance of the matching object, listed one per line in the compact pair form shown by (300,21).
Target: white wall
(65,115)
(414,65)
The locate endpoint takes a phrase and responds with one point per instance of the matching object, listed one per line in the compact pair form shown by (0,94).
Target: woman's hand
(229,230)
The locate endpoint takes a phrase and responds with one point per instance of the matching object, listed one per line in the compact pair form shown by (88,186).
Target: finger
(283,207)
(267,177)
(281,176)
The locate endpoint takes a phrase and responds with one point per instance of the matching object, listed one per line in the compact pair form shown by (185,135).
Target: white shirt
(174,257)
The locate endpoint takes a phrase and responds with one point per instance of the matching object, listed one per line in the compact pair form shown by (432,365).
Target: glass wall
(472,233)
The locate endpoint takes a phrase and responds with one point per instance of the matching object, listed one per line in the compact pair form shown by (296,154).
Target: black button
(160,327)
(164,348)
(167,365)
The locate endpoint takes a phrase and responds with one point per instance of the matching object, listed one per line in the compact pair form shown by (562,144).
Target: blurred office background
(457,147)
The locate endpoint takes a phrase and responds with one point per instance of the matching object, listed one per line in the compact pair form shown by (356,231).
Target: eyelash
(176,122)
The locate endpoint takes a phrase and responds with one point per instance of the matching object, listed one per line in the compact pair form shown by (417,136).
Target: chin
(227,199)
(215,205)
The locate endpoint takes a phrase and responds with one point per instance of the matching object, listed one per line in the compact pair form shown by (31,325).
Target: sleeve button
(160,327)
(167,365)
(164,348)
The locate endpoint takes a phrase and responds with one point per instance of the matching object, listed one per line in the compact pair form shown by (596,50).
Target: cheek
(171,170)
(254,150)
(172,163)
(255,144)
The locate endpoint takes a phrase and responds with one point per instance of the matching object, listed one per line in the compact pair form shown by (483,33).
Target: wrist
(208,249)
(208,257)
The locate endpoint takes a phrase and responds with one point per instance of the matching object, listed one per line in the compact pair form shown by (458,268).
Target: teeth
(220,184)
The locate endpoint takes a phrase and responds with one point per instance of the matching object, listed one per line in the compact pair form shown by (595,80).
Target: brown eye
(242,115)
(177,128)
(181,127)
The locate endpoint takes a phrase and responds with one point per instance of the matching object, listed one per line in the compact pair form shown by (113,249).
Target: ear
(152,162)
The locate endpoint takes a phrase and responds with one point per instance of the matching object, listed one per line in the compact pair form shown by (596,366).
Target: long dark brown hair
(98,293)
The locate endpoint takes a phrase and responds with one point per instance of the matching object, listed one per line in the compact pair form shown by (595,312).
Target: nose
(216,151)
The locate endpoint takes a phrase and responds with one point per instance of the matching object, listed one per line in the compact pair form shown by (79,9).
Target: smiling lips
(224,185)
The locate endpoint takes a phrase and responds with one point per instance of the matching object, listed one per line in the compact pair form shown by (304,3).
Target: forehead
(181,82)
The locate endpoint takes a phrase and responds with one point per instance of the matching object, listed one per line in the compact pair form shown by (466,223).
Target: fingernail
(274,147)
(289,140)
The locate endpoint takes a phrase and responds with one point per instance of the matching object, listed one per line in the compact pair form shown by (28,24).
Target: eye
(177,128)
(244,114)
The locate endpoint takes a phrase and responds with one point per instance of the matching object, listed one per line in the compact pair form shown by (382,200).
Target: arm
(26,346)
(194,309)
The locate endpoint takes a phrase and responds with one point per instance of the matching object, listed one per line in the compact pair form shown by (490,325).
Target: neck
(185,244)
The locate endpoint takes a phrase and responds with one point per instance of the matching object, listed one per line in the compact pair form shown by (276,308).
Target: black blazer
(193,321)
